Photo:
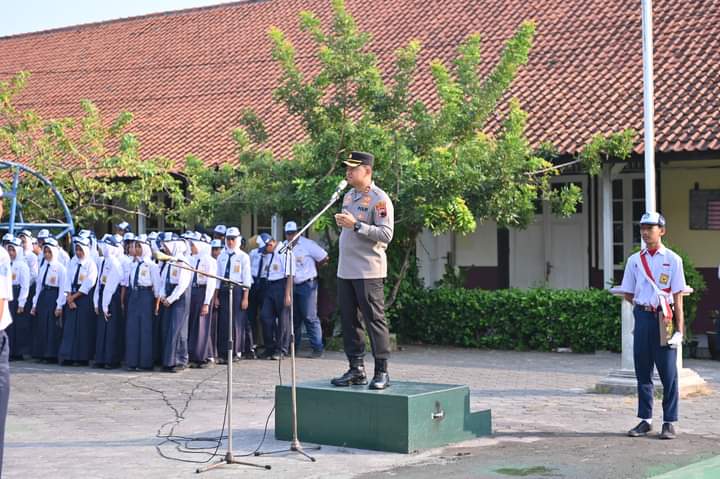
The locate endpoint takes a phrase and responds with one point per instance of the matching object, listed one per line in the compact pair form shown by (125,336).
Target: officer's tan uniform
(362,269)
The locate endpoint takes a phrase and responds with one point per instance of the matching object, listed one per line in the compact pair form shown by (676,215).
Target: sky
(22,16)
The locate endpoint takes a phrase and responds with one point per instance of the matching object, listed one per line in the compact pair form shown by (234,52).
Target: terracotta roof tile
(187,75)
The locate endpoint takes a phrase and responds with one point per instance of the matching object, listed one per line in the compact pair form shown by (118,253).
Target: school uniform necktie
(137,275)
(194,281)
(259,271)
(75,285)
(227,265)
(45,276)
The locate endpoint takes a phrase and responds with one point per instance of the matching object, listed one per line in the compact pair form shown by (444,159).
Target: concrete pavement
(80,422)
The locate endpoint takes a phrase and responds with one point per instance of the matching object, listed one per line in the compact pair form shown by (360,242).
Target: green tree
(95,163)
(440,166)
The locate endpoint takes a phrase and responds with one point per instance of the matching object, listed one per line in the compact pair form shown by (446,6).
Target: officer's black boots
(380,380)
(354,375)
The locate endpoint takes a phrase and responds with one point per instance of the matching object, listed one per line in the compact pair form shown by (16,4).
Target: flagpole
(648,105)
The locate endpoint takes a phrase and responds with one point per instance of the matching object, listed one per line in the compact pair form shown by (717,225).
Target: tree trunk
(403,272)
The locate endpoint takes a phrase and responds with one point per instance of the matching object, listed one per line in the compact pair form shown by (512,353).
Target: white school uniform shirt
(277,264)
(307,253)
(5,288)
(64,258)
(55,278)
(178,278)
(87,275)
(21,277)
(207,264)
(110,275)
(255,256)
(33,264)
(126,263)
(667,270)
(147,277)
(239,267)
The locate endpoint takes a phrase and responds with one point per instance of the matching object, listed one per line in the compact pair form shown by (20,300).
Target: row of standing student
(112,302)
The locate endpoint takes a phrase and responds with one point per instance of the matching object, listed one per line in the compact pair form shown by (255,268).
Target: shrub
(536,319)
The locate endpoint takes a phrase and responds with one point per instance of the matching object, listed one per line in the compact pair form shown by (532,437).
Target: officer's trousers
(366,296)
(648,354)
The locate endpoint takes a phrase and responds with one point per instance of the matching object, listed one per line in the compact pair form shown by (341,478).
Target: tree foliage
(442,168)
(94,162)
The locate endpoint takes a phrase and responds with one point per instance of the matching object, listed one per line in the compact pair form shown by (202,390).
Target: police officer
(5,320)
(367,228)
(308,254)
(654,279)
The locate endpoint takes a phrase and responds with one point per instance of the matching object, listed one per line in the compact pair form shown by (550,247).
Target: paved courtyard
(70,422)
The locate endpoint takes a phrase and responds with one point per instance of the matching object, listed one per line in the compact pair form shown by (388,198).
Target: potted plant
(714,336)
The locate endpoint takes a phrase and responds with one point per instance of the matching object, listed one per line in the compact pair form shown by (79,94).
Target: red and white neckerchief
(663,294)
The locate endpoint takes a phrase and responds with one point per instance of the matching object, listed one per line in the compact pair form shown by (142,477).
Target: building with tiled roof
(188,75)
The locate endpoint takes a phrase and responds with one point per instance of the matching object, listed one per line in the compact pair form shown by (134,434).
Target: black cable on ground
(183,444)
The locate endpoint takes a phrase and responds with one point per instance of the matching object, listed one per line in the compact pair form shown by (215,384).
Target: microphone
(160,256)
(340,187)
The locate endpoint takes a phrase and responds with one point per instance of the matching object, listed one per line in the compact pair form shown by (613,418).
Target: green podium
(406,417)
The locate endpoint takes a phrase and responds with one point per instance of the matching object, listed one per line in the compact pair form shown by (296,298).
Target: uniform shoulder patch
(381,208)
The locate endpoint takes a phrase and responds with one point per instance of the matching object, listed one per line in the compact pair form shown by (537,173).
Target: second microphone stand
(287,249)
(229,457)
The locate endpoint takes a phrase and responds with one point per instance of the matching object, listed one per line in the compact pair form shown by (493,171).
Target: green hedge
(536,319)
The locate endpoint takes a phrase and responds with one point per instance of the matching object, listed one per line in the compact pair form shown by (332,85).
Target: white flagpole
(649,105)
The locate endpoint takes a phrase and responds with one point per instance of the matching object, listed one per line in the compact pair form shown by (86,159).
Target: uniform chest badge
(52,280)
(361,216)
(14,276)
(143,272)
(174,273)
(276,267)
(103,279)
(365,200)
(236,268)
(664,278)
(81,278)
(381,209)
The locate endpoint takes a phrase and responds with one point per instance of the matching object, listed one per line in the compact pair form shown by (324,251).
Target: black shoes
(640,430)
(354,376)
(315,354)
(380,380)
(668,431)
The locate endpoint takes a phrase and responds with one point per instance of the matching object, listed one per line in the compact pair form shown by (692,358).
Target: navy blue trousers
(199,328)
(141,319)
(4,389)
(78,338)
(176,319)
(110,333)
(649,354)
(239,322)
(19,332)
(256,299)
(47,332)
(305,312)
(275,319)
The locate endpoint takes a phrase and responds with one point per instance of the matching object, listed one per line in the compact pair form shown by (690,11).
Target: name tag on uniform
(664,278)
(236,268)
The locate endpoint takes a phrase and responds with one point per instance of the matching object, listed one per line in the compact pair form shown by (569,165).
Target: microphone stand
(229,457)
(287,249)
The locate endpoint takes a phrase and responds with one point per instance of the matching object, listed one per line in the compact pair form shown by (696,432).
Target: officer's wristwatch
(356,226)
